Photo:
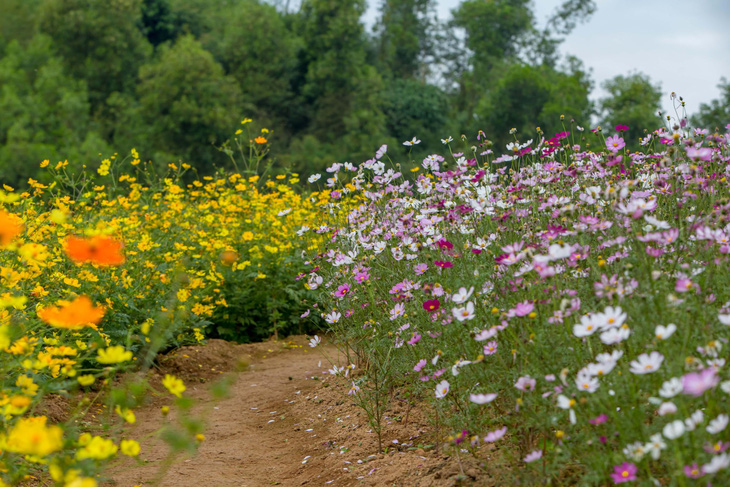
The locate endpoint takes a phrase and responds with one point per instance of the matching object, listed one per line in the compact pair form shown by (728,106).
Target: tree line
(81,79)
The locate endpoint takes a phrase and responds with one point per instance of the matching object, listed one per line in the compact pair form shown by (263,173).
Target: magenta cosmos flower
(444,264)
(626,472)
(432,305)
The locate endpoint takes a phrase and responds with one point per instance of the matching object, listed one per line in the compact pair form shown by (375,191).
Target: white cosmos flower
(586,383)
(465,313)
(442,389)
(718,462)
(333,317)
(586,327)
(314,177)
(613,317)
(724,319)
(313,342)
(674,430)
(284,212)
(666,408)
(565,403)
(664,332)
(635,451)
(655,446)
(613,336)
(671,388)
(609,357)
(647,363)
(718,424)
(482,398)
(690,424)
(462,295)
(600,368)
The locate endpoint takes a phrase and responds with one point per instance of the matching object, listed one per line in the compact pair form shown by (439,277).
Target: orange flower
(101,250)
(73,315)
(10,227)
(260,140)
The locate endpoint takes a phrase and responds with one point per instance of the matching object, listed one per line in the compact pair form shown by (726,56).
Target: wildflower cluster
(570,303)
(101,271)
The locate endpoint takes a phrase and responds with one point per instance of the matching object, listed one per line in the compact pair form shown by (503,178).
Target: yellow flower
(27,385)
(245,121)
(31,436)
(183,295)
(174,385)
(113,355)
(130,448)
(126,414)
(260,140)
(82,482)
(98,448)
(86,380)
(247,236)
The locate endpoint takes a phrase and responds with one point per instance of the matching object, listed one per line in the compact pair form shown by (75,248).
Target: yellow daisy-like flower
(130,448)
(174,385)
(113,355)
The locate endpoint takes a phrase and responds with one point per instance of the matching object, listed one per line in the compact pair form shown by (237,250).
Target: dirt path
(286,422)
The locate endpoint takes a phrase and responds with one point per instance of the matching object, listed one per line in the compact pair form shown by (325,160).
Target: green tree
(186,104)
(634,101)
(16,21)
(415,109)
(526,97)
(716,114)
(405,37)
(333,58)
(254,45)
(159,23)
(99,41)
(46,113)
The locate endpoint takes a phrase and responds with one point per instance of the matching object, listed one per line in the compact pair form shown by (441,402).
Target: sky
(682,45)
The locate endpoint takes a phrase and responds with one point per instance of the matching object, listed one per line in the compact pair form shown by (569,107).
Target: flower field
(103,270)
(566,302)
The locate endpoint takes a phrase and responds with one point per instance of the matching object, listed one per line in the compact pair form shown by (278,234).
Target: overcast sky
(684,46)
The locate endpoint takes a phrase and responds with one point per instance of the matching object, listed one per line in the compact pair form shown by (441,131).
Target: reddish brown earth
(285,422)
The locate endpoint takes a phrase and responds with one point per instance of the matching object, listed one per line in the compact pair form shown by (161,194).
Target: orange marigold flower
(260,140)
(101,250)
(10,227)
(73,315)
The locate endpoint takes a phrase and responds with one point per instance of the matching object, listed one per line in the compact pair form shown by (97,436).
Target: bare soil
(285,422)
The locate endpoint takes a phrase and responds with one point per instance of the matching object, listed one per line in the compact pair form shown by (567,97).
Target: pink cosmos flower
(626,472)
(533,455)
(599,419)
(696,383)
(615,143)
(522,309)
(414,339)
(694,471)
(397,311)
(420,365)
(342,290)
(525,383)
(621,128)
(490,348)
(495,435)
(420,269)
(443,264)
